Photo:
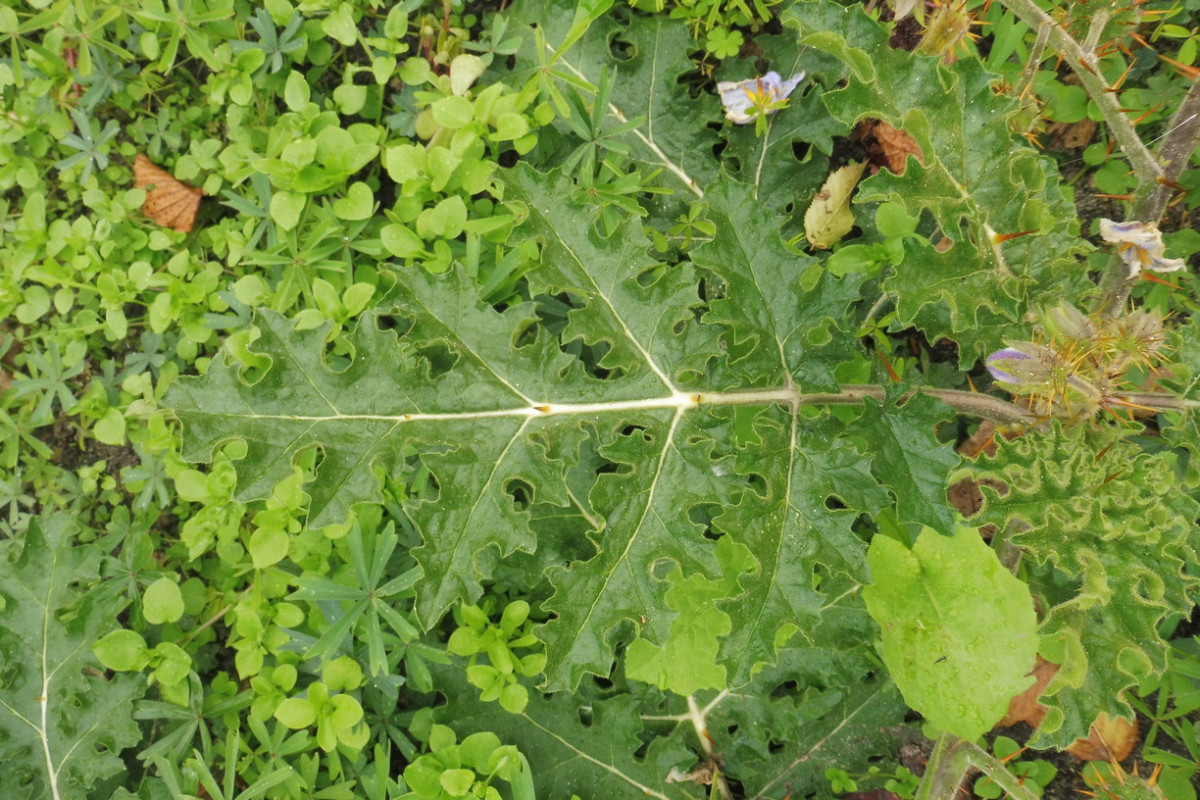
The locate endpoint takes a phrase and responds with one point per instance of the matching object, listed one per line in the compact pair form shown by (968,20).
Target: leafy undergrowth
(460,403)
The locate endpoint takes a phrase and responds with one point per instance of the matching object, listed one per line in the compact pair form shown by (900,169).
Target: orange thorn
(1148,113)
(1117,85)
(1004,237)
(1187,71)
(1134,35)
(891,372)
(1146,276)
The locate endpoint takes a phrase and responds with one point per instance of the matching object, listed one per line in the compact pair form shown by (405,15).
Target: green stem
(950,764)
(987,407)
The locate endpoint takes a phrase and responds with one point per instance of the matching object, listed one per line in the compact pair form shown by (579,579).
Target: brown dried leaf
(1071,135)
(168,202)
(888,146)
(1109,739)
(1025,706)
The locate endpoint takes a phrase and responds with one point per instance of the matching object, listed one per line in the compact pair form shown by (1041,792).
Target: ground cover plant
(596,399)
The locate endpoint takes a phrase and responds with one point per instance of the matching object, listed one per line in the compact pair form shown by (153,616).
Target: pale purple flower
(744,100)
(1002,358)
(1140,246)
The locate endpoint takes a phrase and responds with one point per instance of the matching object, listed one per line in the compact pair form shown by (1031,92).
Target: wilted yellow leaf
(829,218)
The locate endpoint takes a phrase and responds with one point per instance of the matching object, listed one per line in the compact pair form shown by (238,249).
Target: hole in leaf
(608,468)
(785,689)
(833,503)
(602,681)
(253,373)
(800,150)
(439,358)
(774,746)
(392,322)
(701,514)
(621,49)
(526,336)
(338,355)
(419,480)
(757,484)
(520,492)
(585,716)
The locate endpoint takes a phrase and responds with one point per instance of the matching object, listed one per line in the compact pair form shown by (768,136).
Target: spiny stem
(1085,65)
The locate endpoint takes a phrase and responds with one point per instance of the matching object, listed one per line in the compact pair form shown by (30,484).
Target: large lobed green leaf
(976,179)
(63,723)
(1111,522)
(642,405)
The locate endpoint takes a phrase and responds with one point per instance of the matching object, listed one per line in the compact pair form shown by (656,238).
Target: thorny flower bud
(1135,339)
(1083,364)
(1064,321)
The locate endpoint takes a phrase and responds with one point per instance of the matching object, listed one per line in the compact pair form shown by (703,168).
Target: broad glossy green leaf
(959,631)
(63,722)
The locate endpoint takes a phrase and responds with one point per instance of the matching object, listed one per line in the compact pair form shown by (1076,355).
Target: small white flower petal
(1140,246)
(741,97)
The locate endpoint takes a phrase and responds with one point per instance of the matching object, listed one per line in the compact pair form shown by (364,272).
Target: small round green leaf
(400,241)
(122,650)
(457,782)
(268,546)
(453,112)
(340,25)
(162,602)
(296,713)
